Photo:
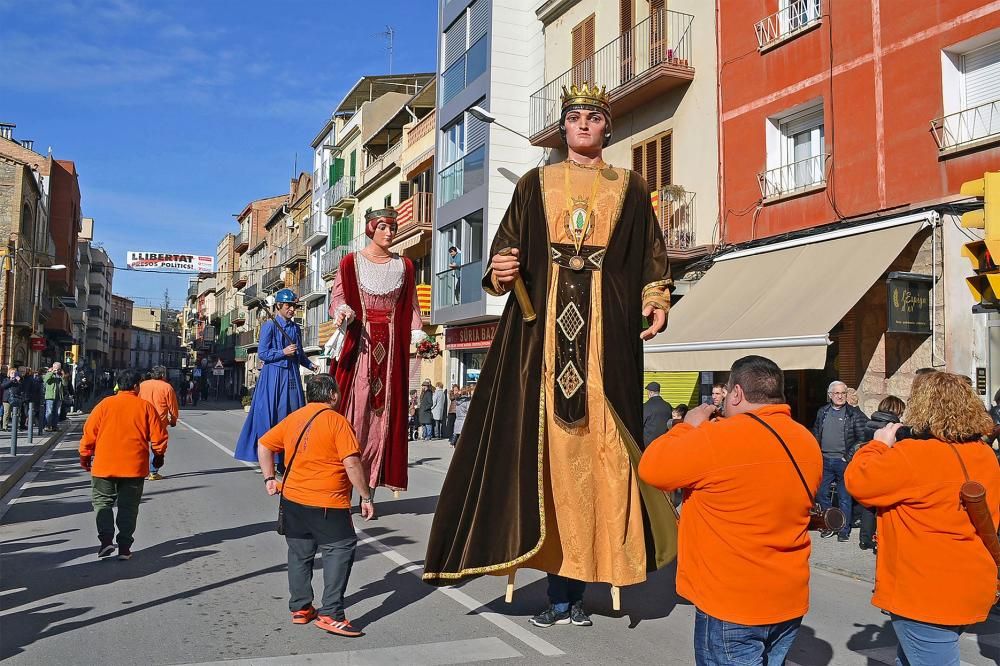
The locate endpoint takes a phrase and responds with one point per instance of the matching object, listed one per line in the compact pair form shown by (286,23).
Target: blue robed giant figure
(279,387)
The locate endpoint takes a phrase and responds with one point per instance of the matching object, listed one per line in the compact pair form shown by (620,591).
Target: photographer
(11,390)
(934,575)
(743,557)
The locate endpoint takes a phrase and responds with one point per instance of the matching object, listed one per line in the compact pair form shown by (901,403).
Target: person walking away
(34,393)
(324,464)
(117,439)
(193,392)
(52,381)
(656,414)
(749,481)
(934,575)
(425,409)
(84,392)
(890,410)
(158,392)
(439,407)
(839,429)
(449,426)
(461,411)
(10,389)
(68,396)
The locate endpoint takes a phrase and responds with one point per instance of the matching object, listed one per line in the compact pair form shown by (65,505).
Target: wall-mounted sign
(476,336)
(909,299)
(167,261)
(981,381)
(37,343)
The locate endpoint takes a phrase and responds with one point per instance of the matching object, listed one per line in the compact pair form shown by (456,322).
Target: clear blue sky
(179,113)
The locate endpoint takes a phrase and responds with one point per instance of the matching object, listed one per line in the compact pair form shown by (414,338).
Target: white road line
(426,654)
(502,622)
(14,494)
(220,446)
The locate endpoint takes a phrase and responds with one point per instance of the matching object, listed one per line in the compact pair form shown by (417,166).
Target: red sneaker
(304,616)
(339,627)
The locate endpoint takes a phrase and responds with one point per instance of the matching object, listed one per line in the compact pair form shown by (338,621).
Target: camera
(826,521)
(904,432)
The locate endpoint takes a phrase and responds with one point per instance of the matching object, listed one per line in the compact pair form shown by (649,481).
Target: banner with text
(166,261)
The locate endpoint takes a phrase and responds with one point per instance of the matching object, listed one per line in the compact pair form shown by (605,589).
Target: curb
(22,466)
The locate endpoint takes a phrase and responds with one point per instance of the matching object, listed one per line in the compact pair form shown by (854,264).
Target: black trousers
(330,532)
(450,428)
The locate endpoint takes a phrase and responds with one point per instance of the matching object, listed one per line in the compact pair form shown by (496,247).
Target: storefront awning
(407,242)
(779,300)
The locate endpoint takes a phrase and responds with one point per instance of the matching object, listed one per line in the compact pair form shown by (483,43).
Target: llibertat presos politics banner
(170,261)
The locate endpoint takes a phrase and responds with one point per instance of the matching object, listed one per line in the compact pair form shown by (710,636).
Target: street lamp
(482,115)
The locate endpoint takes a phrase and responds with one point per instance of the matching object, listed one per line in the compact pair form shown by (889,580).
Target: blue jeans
(428,429)
(564,592)
(152,468)
(720,643)
(923,644)
(51,413)
(833,470)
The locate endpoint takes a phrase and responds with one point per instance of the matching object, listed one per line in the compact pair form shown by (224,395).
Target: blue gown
(279,387)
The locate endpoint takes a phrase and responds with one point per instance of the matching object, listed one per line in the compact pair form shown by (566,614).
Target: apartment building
(100,279)
(160,324)
(121,333)
(846,134)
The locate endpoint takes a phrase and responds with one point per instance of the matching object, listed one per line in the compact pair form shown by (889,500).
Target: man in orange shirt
(115,449)
(743,557)
(323,463)
(158,392)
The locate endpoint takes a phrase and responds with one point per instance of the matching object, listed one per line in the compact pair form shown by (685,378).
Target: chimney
(7,131)
(28,143)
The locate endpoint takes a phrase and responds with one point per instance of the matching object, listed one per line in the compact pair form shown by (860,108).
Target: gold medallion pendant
(577,223)
(576,262)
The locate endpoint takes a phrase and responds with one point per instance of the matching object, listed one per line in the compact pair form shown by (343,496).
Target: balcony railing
(237,317)
(966,127)
(239,279)
(246,339)
(319,227)
(424,127)
(463,71)
(676,216)
(798,16)
(456,286)
(417,212)
(339,196)
(336,254)
(251,295)
(463,176)
(242,241)
(291,253)
(793,178)
(329,266)
(310,335)
(312,286)
(382,162)
(193,290)
(274,278)
(648,59)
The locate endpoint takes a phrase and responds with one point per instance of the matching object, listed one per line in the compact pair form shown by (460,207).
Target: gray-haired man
(838,429)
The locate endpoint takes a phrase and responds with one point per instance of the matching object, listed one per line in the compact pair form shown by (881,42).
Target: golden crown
(586,95)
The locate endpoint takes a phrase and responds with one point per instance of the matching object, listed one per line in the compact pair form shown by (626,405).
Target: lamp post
(482,115)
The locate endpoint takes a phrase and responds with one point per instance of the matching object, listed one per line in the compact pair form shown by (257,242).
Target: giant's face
(585,130)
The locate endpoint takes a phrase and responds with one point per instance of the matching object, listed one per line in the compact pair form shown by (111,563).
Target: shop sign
(981,381)
(909,299)
(37,343)
(476,336)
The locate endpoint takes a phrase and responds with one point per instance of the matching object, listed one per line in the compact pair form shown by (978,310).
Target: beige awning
(407,242)
(780,300)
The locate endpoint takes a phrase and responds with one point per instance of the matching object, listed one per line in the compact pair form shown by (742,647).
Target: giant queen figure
(374,305)
(544,473)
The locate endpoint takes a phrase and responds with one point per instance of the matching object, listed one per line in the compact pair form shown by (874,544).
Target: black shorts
(320,525)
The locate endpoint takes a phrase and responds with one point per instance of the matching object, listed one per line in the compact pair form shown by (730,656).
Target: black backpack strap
(785,447)
(295,451)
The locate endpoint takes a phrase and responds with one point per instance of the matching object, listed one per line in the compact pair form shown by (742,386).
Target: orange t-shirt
(743,552)
(161,396)
(119,433)
(931,566)
(318,477)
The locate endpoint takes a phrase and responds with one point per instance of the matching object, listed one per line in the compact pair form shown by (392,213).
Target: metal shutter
(477,20)
(675,387)
(982,76)
(475,131)
(454,42)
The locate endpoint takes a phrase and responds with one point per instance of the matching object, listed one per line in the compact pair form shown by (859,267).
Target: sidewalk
(13,468)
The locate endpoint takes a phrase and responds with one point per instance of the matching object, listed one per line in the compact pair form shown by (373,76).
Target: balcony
(251,295)
(340,197)
(640,65)
(310,337)
(793,179)
(424,127)
(58,325)
(798,17)
(237,317)
(464,175)
(676,216)
(319,228)
(416,215)
(469,66)
(242,241)
(292,253)
(239,279)
(329,265)
(383,162)
(313,287)
(274,278)
(193,290)
(331,262)
(457,286)
(247,339)
(968,128)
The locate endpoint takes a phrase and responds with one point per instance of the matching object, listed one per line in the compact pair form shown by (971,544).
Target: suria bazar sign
(476,336)
(167,261)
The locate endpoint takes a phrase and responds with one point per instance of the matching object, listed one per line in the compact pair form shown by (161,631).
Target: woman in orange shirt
(933,574)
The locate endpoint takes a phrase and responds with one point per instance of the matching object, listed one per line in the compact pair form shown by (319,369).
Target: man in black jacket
(656,414)
(839,428)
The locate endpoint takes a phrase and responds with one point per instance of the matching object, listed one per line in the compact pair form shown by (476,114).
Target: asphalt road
(207,582)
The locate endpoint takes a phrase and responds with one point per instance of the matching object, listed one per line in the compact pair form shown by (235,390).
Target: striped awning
(406,243)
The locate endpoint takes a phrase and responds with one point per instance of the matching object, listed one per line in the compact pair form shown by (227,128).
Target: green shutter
(336,170)
(354,162)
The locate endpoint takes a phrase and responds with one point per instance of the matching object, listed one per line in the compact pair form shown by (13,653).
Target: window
(583,51)
(463,156)
(653,160)
(971,88)
(796,152)
(792,18)
(458,277)
(388,200)
(463,56)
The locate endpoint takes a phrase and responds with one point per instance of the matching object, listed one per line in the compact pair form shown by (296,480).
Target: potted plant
(246,403)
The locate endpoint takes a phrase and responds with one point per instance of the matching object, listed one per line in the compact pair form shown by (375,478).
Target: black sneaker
(578,617)
(106,550)
(843,537)
(124,553)
(549,617)
(866,545)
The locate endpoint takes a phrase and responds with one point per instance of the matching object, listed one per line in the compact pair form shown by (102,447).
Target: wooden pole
(509,595)
(616,598)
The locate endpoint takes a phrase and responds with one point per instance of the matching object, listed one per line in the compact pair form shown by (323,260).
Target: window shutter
(577,38)
(588,36)
(336,170)
(454,42)
(477,21)
(637,159)
(657,50)
(475,132)
(666,161)
(625,18)
(354,163)
(651,163)
(982,76)
(404,191)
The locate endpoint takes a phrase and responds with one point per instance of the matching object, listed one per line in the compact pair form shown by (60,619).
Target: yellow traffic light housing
(985,284)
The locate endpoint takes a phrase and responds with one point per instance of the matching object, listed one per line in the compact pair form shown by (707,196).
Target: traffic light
(68,360)
(985,284)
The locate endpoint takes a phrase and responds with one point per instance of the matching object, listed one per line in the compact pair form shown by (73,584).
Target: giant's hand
(658,324)
(505,267)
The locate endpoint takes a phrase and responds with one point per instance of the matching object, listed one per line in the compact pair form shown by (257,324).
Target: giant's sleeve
(681,458)
(879,476)
(266,351)
(656,280)
(509,233)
